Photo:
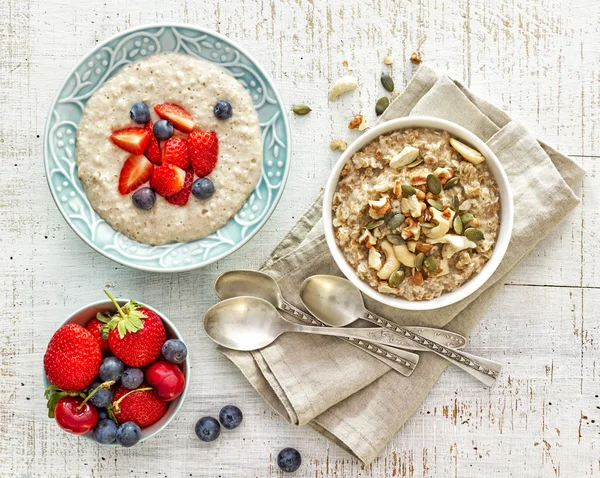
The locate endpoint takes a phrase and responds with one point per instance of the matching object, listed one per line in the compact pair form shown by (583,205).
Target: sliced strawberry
(181,198)
(133,140)
(204,151)
(180,118)
(167,180)
(152,151)
(175,151)
(135,172)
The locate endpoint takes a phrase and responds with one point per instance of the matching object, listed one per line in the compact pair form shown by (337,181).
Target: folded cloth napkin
(346,394)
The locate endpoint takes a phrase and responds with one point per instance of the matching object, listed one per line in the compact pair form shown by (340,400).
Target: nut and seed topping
(395,239)
(466,218)
(301,110)
(419,261)
(434,184)
(436,204)
(381,105)
(396,278)
(387,82)
(455,203)
(458,225)
(408,189)
(451,182)
(338,144)
(473,234)
(396,221)
(430,263)
(373,224)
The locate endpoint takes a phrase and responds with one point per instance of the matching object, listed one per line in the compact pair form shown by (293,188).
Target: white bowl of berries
(116,372)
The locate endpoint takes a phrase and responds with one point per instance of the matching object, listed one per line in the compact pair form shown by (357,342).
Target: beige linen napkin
(346,394)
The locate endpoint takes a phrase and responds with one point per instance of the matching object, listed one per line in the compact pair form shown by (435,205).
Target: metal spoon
(337,302)
(250,323)
(261,285)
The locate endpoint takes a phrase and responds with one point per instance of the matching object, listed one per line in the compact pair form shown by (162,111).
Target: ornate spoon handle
(482,369)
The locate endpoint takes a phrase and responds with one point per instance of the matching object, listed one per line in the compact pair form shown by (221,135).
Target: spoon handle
(482,369)
(396,359)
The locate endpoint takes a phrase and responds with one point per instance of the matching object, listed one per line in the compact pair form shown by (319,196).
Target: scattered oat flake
(358,122)
(388,59)
(339,145)
(415,58)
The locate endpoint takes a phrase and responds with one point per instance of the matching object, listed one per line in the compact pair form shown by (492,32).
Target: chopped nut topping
(380,207)
(418,179)
(420,195)
(341,86)
(423,247)
(358,122)
(388,59)
(411,231)
(444,174)
(406,156)
(375,259)
(415,58)
(338,144)
(392,264)
(417,278)
(411,206)
(447,213)
(368,239)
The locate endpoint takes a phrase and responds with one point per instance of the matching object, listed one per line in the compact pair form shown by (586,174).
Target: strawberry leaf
(104,317)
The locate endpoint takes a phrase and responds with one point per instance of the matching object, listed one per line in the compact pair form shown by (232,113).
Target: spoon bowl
(249,283)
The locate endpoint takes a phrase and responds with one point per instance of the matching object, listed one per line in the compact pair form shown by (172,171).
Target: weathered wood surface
(538,59)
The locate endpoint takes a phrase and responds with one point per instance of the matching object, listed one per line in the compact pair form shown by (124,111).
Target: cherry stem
(116,404)
(108,384)
(112,299)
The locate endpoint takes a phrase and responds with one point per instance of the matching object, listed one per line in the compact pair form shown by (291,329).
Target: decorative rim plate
(92,72)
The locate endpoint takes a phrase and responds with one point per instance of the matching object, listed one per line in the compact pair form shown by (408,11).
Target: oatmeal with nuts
(416,213)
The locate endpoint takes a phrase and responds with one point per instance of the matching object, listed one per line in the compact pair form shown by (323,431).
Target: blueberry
(223,110)
(140,112)
(128,434)
(289,460)
(132,378)
(163,129)
(174,351)
(103,396)
(144,198)
(230,417)
(208,429)
(111,369)
(105,431)
(102,414)
(203,188)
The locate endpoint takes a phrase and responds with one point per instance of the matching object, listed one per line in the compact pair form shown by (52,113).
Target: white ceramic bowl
(506,212)
(87,313)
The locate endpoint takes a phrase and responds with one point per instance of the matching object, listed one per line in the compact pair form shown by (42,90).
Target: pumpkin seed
(408,189)
(436,204)
(455,203)
(415,163)
(387,82)
(419,261)
(374,223)
(458,225)
(434,184)
(428,225)
(396,222)
(388,216)
(396,278)
(466,218)
(301,110)
(451,182)
(381,105)
(431,264)
(473,234)
(395,239)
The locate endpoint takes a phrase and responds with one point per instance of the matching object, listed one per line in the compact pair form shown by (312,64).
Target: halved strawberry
(180,118)
(175,151)
(167,180)
(152,151)
(204,151)
(133,140)
(181,198)
(135,172)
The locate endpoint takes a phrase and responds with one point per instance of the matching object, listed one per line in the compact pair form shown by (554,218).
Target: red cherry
(72,420)
(167,379)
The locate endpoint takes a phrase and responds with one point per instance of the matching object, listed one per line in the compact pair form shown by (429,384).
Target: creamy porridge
(195,86)
(416,213)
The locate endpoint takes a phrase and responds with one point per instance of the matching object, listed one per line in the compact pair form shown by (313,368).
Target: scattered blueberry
(140,112)
(128,434)
(132,378)
(223,110)
(102,414)
(289,460)
(203,188)
(105,431)
(111,369)
(103,396)
(174,351)
(230,417)
(163,129)
(144,198)
(208,429)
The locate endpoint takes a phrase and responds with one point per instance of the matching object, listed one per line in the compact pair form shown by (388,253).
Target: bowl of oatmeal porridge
(418,213)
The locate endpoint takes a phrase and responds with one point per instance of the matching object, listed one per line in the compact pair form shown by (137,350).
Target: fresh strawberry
(73,357)
(152,151)
(136,171)
(133,140)
(136,334)
(167,180)
(94,327)
(180,118)
(175,151)
(181,198)
(141,406)
(204,152)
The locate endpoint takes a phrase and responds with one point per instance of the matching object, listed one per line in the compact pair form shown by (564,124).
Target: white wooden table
(539,59)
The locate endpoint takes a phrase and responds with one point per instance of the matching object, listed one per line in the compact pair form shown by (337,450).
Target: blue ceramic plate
(91,73)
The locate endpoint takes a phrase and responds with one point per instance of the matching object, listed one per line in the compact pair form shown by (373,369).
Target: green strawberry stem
(112,299)
(115,405)
(108,384)
(128,319)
